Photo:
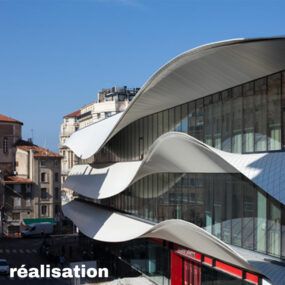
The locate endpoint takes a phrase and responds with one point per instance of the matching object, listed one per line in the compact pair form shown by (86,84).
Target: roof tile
(38,151)
(73,114)
(4,118)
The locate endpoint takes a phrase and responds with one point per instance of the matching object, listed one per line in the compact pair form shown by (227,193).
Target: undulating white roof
(194,74)
(104,225)
(187,155)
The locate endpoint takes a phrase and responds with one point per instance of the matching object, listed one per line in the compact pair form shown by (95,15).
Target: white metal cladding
(192,75)
(267,170)
(85,142)
(104,225)
(103,182)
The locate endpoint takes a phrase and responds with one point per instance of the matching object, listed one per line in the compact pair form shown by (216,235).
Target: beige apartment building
(30,179)
(97,111)
(110,102)
(43,168)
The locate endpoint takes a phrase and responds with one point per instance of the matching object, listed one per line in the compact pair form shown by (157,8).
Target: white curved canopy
(104,225)
(193,74)
(101,224)
(267,170)
(86,140)
(100,183)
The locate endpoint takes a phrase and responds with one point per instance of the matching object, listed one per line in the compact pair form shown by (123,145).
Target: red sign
(189,254)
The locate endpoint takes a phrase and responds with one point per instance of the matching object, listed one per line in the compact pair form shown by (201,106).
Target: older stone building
(10,133)
(30,179)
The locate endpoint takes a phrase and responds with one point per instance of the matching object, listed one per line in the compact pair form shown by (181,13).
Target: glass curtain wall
(254,220)
(244,119)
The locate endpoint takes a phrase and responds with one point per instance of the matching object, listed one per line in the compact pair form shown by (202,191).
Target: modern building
(188,183)
(30,179)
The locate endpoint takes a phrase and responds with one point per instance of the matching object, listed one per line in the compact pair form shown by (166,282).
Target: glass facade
(154,260)
(227,205)
(214,277)
(248,118)
(243,119)
(146,256)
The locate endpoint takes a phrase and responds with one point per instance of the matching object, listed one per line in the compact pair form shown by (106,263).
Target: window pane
(227,221)
(141,138)
(145,134)
(133,141)
(217,121)
(226,121)
(144,193)
(237,212)
(150,131)
(171,120)
(208,108)
(274,229)
(185,189)
(154,127)
(261,223)
(274,113)
(155,194)
(218,204)
(199,131)
(192,119)
(129,145)
(44,193)
(160,124)
(208,197)
(177,117)
(160,192)
(175,195)
(184,118)
(249,203)
(237,120)
(166,120)
(248,115)
(137,136)
(260,115)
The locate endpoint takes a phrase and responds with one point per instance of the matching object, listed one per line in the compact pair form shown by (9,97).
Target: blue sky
(56,54)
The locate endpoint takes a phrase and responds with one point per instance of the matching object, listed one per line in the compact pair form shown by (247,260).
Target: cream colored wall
(101,109)
(87,108)
(22,163)
(67,128)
